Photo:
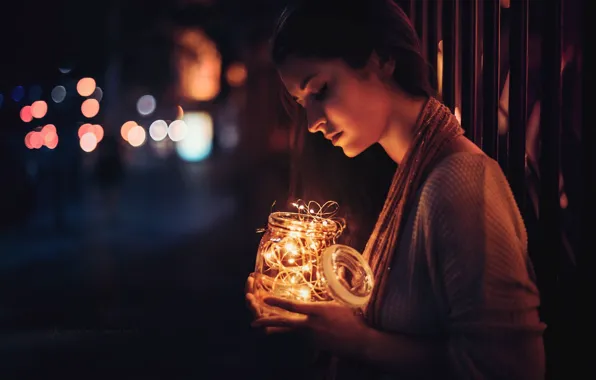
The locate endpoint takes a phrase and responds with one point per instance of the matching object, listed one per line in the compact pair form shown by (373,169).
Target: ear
(382,66)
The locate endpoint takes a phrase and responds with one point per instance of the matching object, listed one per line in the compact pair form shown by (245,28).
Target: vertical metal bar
(469,67)
(550,152)
(585,260)
(490,77)
(449,52)
(432,40)
(411,10)
(518,98)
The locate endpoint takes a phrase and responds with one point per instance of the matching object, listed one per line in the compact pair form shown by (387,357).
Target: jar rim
(301,222)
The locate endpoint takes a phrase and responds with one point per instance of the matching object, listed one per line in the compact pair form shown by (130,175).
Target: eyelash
(320,96)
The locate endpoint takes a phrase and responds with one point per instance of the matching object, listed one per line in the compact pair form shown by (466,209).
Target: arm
(400,354)
(476,254)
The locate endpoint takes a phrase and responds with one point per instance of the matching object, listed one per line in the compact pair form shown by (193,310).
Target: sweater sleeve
(476,250)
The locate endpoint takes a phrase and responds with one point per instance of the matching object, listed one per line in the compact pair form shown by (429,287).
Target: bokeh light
(198,143)
(146,105)
(98,132)
(199,78)
(236,74)
(137,136)
(36,140)
(97,94)
(39,109)
(26,114)
(85,128)
(49,136)
(158,130)
(177,130)
(179,113)
(86,86)
(88,142)
(58,94)
(126,127)
(90,108)
(18,93)
(28,140)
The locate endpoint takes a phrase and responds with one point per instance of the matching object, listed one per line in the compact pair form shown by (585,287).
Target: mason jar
(298,259)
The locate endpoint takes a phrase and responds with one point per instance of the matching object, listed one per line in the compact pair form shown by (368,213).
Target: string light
(298,258)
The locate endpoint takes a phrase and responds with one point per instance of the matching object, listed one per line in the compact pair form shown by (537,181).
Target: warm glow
(136,136)
(36,140)
(158,130)
(440,67)
(48,134)
(50,137)
(86,86)
(179,113)
(199,66)
(88,142)
(98,132)
(25,114)
(85,128)
(177,130)
(125,129)
(28,140)
(39,109)
(90,108)
(236,74)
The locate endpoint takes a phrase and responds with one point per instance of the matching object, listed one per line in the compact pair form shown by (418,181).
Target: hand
(334,327)
(254,300)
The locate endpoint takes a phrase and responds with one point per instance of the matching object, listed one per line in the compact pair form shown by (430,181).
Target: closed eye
(321,94)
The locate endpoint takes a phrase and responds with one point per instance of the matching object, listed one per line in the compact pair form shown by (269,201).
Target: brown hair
(350,31)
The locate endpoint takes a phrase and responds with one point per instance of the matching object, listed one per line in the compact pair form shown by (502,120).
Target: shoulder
(470,190)
(464,177)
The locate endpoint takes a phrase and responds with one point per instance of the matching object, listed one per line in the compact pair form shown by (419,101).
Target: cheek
(345,111)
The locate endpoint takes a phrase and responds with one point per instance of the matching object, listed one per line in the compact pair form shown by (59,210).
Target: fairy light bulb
(298,258)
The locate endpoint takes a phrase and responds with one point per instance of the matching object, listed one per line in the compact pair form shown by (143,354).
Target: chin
(351,153)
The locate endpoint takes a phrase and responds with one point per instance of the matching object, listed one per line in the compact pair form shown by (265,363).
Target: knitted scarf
(435,128)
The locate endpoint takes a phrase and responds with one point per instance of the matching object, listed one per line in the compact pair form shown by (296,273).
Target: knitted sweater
(461,271)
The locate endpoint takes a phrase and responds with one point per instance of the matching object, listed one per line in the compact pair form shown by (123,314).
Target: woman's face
(351,108)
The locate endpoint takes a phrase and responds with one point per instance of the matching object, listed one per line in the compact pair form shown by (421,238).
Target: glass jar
(298,259)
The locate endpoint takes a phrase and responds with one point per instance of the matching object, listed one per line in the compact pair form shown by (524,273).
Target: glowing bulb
(136,136)
(304,293)
(90,108)
(86,86)
(290,247)
(88,142)
(158,130)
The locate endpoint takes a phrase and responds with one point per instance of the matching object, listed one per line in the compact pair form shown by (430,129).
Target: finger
(295,322)
(277,330)
(254,305)
(289,305)
(250,283)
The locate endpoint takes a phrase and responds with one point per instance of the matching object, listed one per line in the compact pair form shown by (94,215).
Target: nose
(316,120)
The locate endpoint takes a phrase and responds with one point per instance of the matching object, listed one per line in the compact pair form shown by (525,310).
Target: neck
(399,132)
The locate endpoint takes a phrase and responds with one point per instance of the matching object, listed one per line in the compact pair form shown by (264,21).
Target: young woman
(454,292)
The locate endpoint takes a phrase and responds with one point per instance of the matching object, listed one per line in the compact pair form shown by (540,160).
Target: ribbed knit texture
(461,274)
(461,270)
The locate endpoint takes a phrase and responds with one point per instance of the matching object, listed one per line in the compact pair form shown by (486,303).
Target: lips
(335,138)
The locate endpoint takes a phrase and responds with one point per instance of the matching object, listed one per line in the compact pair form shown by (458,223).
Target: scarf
(435,128)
